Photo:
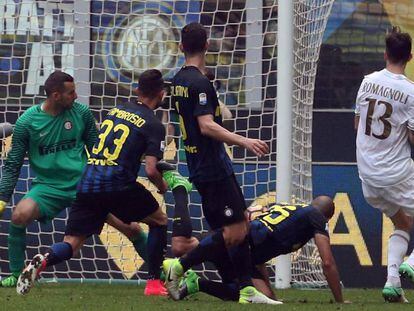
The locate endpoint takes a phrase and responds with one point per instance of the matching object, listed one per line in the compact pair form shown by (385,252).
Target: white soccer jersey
(385,104)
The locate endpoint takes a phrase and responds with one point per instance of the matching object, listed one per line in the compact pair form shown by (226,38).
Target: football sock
(397,248)
(181,221)
(140,244)
(156,247)
(211,245)
(219,290)
(240,257)
(59,252)
(17,247)
(410,259)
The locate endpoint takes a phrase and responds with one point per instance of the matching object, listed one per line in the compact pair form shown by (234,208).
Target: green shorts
(51,201)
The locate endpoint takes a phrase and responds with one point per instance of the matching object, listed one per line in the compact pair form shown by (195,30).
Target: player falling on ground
(280,230)
(384,119)
(210,169)
(108,184)
(53,134)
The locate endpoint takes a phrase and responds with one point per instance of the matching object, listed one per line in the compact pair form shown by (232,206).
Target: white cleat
(30,273)
(173,275)
(250,294)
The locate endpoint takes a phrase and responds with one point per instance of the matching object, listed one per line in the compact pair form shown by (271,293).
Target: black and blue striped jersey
(129,132)
(194,95)
(284,229)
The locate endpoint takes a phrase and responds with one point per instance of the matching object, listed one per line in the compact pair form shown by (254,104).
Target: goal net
(105,45)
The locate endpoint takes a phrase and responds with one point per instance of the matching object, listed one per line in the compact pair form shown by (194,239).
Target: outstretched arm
(211,129)
(329,266)
(14,161)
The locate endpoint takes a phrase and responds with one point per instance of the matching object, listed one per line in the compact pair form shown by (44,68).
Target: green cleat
(406,271)
(250,294)
(393,294)
(10,281)
(173,274)
(175,179)
(189,284)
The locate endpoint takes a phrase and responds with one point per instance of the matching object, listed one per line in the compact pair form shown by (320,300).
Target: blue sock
(208,248)
(59,252)
(156,246)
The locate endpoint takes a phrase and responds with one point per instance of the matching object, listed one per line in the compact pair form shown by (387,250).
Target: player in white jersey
(384,119)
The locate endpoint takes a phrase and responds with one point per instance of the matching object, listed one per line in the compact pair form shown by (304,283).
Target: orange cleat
(155,288)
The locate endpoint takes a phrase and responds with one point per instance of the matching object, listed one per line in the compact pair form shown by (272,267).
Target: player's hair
(150,83)
(398,46)
(56,82)
(193,38)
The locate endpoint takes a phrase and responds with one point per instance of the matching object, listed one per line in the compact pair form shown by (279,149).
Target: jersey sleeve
(202,93)
(156,140)
(318,222)
(410,123)
(90,135)
(15,158)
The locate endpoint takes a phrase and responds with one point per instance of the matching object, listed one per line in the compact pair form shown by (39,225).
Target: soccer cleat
(155,288)
(189,284)
(406,271)
(393,294)
(173,274)
(30,273)
(10,281)
(249,294)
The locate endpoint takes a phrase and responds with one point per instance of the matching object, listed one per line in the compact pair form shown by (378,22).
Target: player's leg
(23,214)
(182,241)
(138,204)
(384,199)
(86,217)
(133,232)
(156,247)
(42,203)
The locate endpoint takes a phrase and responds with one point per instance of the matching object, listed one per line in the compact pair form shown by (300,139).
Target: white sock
(397,248)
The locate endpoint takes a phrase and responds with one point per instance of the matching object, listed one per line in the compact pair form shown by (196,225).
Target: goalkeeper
(281,230)
(53,135)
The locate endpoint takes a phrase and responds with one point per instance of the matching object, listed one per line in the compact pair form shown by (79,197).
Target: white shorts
(392,198)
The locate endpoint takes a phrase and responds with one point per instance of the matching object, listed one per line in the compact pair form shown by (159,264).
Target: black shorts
(223,202)
(90,210)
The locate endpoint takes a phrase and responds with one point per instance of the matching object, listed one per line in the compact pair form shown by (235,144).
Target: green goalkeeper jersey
(55,146)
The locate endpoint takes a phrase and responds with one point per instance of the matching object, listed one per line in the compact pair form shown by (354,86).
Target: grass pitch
(130,297)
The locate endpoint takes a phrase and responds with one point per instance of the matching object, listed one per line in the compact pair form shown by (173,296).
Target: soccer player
(281,230)
(384,119)
(108,184)
(210,168)
(53,134)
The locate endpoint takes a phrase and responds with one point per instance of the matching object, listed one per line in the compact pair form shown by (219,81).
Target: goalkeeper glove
(2,207)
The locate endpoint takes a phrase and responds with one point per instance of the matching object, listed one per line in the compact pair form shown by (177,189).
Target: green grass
(130,297)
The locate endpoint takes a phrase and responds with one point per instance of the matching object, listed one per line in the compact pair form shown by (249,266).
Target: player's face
(68,96)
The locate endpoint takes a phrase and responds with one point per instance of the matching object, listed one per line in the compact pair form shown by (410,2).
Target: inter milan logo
(228,212)
(68,125)
(146,38)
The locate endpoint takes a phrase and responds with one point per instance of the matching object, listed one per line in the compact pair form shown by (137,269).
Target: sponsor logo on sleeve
(162,146)
(202,97)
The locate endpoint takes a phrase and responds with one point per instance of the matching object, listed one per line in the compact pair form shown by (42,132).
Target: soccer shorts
(223,202)
(391,199)
(51,201)
(90,210)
